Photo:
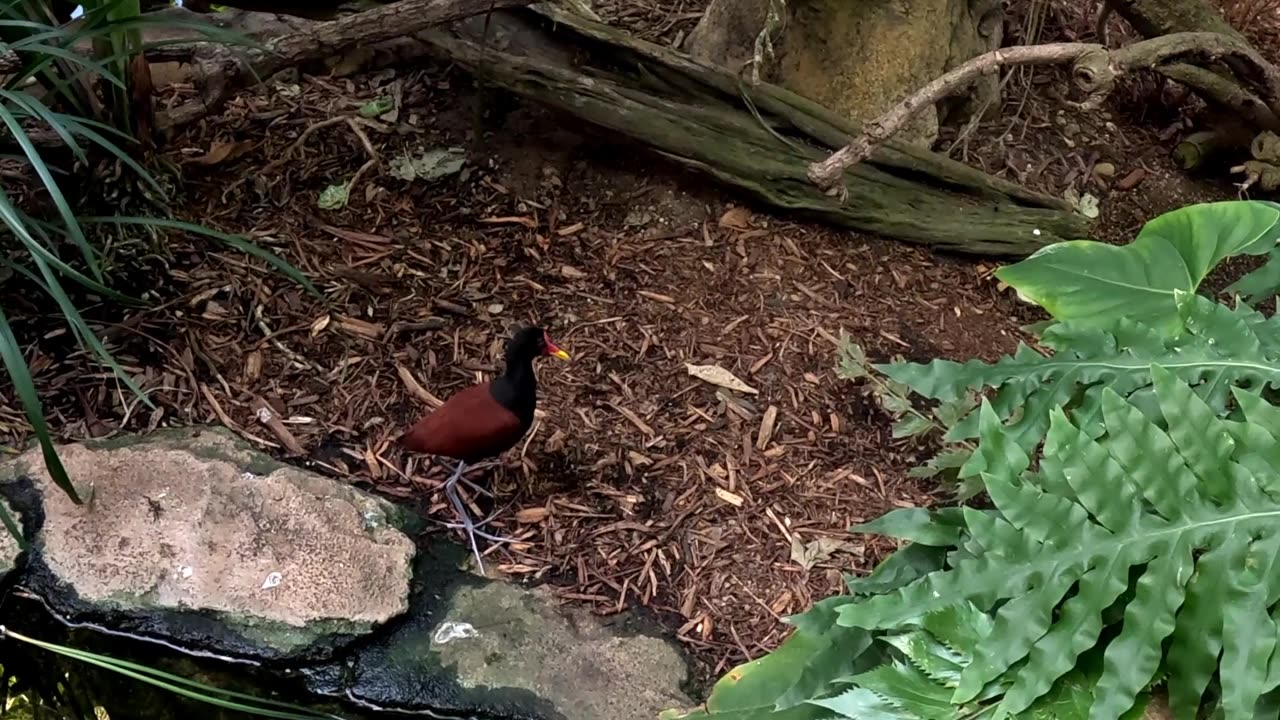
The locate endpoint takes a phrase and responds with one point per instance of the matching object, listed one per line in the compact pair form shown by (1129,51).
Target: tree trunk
(857,58)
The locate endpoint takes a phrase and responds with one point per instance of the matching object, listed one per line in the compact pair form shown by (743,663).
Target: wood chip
(657,297)
(510,220)
(415,388)
(529,516)
(452,307)
(766,427)
(1132,180)
(733,499)
(571,272)
(634,418)
(356,326)
(717,375)
(269,417)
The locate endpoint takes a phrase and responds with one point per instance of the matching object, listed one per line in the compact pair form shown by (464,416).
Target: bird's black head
(531,342)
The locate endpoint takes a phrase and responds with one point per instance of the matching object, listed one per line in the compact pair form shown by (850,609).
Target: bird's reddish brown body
(470,426)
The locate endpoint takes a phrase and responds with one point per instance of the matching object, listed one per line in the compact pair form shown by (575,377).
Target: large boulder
(189,524)
(193,553)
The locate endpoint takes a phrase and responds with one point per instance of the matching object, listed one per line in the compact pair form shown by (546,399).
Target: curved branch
(225,70)
(1094,70)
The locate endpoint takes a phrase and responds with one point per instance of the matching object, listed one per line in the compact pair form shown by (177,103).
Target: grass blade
(51,186)
(234,241)
(180,686)
(19,226)
(39,110)
(85,333)
(11,525)
(20,374)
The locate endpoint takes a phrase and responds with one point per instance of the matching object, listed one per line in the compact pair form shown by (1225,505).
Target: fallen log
(757,139)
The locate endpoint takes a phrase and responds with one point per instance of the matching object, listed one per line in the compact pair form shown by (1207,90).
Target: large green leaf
(1217,349)
(1096,283)
(1155,546)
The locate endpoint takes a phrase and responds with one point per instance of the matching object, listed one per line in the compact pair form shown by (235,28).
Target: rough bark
(226,71)
(1218,85)
(702,116)
(1095,70)
(856,58)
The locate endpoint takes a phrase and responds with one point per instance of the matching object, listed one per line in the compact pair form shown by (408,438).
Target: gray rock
(9,547)
(173,562)
(498,635)
(195,523)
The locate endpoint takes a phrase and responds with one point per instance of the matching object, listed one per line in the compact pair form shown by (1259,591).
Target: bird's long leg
(467,523)
(451,492)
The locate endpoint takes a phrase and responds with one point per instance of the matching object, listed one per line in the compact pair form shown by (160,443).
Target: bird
(485,420)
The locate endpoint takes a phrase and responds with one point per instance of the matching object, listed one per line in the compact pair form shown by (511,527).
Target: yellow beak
(560,354)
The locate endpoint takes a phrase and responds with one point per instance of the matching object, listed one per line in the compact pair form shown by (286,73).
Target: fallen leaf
(736,218)
(334,197)
(571,272)
(430,165)
(374,108)
(220,152)
(806,555)
(319,324)
(717,375)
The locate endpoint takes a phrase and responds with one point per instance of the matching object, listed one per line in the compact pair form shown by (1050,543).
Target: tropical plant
(1139,551)
(51,88)
(67,699)
(1146,554)
(1116,311)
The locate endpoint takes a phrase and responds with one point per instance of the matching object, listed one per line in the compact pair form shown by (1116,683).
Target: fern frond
(1220,348)
(1176,508)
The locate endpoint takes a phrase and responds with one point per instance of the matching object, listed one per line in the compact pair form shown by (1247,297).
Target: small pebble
(1104,169)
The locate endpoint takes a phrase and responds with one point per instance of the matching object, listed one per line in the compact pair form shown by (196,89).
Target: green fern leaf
(904,686)
(1219,349)
(941,664)
(863,704)
(1053,566)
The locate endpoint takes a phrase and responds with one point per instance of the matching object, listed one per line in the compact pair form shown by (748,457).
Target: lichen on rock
(194,522)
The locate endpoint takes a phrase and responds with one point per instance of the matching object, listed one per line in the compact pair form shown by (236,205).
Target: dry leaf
(810,554)
(737,218)
(571,272)
(719,376)
(220,152)
(767,424)
(319,324)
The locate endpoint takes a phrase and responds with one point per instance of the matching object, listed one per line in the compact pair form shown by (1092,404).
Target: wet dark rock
(202,557)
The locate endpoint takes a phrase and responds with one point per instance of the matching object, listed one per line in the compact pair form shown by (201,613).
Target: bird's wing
(471,425)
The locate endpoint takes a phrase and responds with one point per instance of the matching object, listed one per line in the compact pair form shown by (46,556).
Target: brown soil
(639,486)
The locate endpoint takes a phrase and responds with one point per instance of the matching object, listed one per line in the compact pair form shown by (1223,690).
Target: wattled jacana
(485,420)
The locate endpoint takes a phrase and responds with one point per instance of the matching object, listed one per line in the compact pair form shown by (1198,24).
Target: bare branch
(1094,70)
(225,71)
(1094,74)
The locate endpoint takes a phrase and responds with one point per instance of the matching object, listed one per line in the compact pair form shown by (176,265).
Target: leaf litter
(640,485)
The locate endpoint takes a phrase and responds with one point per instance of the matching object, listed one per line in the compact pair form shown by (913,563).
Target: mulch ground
(639,486)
